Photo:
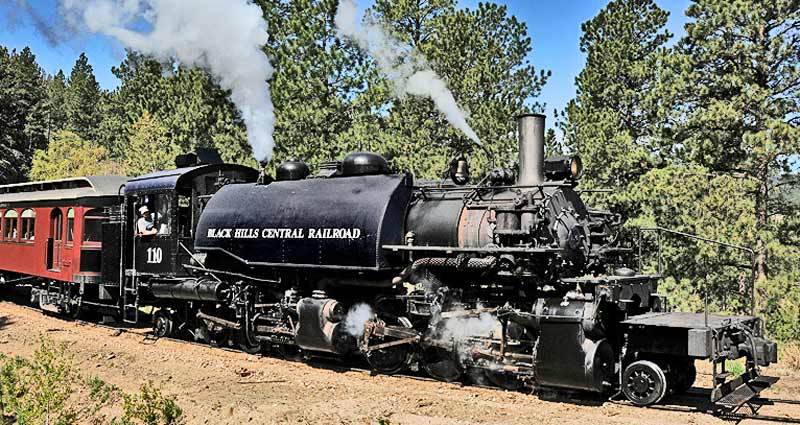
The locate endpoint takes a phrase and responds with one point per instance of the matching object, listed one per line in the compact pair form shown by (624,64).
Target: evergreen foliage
(735,83)
(699,137)
(483,56)
(69,155)
(82,99)
(613,122)
(149,148)
(22,119)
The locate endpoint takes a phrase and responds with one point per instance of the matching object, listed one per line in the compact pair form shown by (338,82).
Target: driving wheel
(393,359)
(390,360)
(439,364)
(505,380)
(163,324)
(246,343)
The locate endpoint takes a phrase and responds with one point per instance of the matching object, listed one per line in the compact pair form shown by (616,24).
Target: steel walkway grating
(746,392)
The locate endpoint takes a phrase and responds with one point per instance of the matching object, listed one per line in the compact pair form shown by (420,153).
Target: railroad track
(697,401)
(694,401)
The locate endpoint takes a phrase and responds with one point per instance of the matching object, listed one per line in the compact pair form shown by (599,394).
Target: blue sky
(554,27)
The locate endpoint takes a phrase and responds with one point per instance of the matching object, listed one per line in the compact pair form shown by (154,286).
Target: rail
(659,230)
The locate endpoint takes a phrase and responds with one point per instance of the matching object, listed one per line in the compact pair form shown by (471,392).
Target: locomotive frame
(515,278)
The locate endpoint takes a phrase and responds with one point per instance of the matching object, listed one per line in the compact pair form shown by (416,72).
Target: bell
(460,171)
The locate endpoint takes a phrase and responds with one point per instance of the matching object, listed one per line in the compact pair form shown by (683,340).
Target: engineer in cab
(146,226)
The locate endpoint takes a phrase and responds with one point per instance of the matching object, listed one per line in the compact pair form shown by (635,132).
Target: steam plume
(52,32)
(356,319)
(224,37)
(408,72)
(461,328)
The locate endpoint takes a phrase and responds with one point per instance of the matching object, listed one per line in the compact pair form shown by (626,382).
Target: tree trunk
(762,215)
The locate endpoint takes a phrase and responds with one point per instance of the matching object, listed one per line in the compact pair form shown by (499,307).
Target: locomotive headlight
(576,167)
(563,167)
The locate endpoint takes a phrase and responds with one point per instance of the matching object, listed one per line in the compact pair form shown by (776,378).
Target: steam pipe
(530,130)
(458,263)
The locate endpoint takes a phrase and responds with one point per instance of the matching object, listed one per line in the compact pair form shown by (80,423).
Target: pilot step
(746,392)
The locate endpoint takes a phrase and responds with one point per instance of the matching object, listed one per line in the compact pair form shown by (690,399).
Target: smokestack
(530,128)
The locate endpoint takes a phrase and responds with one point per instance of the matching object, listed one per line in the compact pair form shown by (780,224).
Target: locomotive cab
(174,199)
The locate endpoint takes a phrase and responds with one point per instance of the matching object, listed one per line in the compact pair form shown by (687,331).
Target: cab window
(10,225)
(160,214)
(185,216)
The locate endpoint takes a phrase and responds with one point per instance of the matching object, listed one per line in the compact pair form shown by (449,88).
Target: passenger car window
(93,227)
(10,225)
(70,225)
(28,225)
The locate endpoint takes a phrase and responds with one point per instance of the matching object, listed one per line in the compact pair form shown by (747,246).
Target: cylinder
(315,332)
(530,130)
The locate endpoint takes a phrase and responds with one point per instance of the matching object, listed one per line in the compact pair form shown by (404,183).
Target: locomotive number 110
(155,255)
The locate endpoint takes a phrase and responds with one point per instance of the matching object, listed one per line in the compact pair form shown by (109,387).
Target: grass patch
(736,367)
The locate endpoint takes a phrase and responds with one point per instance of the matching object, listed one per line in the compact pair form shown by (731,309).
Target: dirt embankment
(216,386)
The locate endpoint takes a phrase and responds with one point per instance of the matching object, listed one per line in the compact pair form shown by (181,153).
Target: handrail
(750,251)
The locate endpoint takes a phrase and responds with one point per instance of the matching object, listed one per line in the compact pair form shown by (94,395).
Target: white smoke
(357,318)
(460,328)
(408,72)
(224,37)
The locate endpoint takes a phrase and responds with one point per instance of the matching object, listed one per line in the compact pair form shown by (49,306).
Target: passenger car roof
(64,189)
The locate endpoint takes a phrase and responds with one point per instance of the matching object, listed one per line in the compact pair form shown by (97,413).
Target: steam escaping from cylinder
(461,332)
(224,37)
(460,328)
(408,71)
(356,319)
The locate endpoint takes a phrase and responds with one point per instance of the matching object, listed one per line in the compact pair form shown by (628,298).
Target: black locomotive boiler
(514,280)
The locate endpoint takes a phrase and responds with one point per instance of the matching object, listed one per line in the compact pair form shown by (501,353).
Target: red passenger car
(51,233)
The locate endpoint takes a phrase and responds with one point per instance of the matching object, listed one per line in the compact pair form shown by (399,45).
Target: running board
(745,392)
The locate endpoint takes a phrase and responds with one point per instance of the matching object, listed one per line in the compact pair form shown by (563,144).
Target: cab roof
(160,181)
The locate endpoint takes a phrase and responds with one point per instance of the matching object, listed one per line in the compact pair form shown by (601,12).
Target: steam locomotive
(514,280)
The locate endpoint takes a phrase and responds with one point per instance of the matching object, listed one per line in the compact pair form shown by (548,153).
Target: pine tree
(56,98)
(187,102)
(69,155)
(614,122)
(482,56)
(82,100)
(22,121)
(736,83)
(316,81)
(149,148)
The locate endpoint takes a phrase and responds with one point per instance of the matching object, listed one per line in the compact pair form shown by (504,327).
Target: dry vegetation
(790,356)
(49,389)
